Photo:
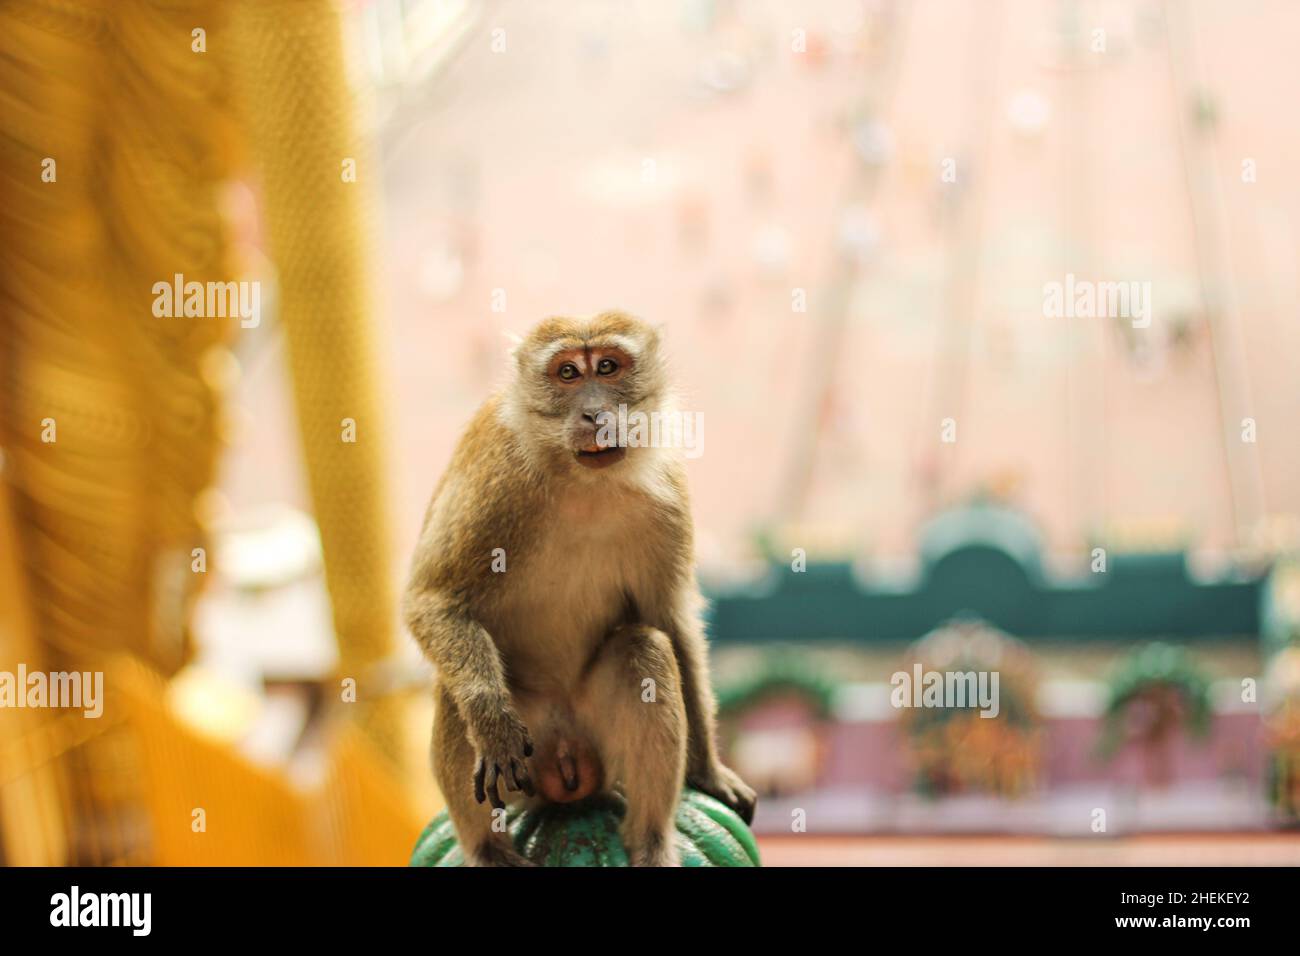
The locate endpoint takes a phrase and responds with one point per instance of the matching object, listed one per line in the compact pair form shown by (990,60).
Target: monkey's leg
(481,832)
(632,699)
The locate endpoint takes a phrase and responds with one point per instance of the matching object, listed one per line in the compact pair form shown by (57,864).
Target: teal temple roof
(984,561)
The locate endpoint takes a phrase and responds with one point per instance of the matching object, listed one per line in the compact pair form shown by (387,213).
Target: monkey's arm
(688,643)
(472,672)
(704,769)
(466,657)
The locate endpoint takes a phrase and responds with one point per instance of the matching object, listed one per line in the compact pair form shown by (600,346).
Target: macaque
(553,590)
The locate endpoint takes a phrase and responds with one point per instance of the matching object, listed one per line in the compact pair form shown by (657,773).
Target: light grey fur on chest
(558,600)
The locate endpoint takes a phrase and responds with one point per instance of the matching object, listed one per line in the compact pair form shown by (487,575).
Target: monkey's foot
(493,853)
(657,853)
(725,784)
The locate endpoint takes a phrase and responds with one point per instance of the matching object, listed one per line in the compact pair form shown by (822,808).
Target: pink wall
(869,755)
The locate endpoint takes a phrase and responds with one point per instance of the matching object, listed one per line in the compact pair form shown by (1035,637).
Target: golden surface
(144,132)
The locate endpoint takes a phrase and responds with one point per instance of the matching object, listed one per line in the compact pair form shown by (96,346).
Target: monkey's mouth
(594,456)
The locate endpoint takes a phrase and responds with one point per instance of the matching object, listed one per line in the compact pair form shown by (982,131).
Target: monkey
(553,589)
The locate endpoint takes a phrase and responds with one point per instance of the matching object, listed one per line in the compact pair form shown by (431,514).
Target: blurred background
(845,214)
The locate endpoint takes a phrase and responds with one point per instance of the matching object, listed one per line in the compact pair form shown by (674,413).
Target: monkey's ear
(515,341)
(658,330)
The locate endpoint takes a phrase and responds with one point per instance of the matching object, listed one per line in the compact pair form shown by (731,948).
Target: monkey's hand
(719,780)
(502,744)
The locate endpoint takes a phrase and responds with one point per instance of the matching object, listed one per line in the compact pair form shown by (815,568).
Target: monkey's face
(584,379)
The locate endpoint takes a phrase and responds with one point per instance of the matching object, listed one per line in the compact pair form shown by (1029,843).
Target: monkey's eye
(606,367)
(568,371)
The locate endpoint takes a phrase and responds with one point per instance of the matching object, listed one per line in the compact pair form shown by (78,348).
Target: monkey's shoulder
(487,499)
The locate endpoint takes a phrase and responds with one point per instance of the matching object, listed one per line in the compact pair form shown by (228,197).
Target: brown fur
(551,656)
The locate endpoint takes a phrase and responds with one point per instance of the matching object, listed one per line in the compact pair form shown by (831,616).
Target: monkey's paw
(722,782)
(502,755)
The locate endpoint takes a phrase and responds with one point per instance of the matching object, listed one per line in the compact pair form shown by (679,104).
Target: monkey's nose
(590,414)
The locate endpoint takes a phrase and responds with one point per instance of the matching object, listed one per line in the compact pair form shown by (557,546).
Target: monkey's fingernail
(479,793)
(520,770)
(528,747)
(494,795)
